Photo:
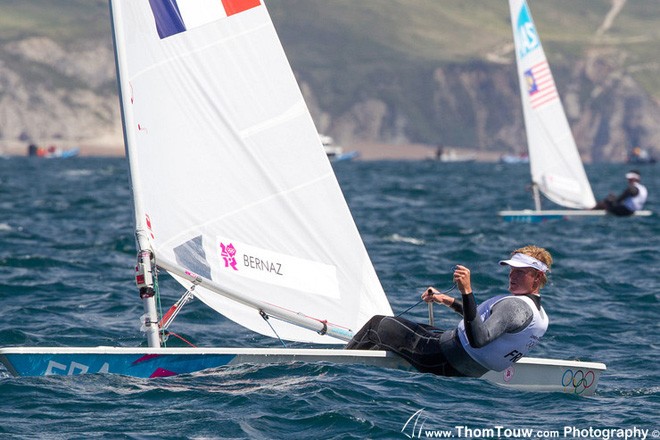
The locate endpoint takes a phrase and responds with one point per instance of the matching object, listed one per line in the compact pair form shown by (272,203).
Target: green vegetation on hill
(441,69)
(66,21)
(327,32)
(370,35)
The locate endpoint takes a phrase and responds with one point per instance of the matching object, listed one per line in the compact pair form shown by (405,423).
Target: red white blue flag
(176,16)
(540,85)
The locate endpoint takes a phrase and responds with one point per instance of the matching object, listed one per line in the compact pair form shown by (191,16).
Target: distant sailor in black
(630,200)
(491,336)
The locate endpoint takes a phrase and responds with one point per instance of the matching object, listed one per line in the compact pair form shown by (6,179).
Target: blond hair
(540,254)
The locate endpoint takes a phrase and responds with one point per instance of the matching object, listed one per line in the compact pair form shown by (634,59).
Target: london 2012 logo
(228,253)
(528,38)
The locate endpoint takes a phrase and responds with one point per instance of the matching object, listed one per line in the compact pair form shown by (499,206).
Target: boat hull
(162,362)
(529,374)
(550,375)
(532,216)
(342,157)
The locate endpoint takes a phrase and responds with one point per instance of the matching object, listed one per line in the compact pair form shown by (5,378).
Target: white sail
(229,176)
(554,159)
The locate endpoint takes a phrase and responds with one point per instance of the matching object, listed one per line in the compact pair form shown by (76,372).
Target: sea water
(66,278)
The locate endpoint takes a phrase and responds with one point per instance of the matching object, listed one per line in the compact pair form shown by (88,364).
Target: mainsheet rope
(421,300)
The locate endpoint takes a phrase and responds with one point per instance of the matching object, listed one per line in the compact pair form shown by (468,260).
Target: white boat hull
(550,375)
(533,216)
(530,374)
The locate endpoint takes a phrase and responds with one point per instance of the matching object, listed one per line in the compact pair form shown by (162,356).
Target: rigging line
(322,321)
(160,305)
(181,338)
(173,312)
(265,316)
(421,300)
(408,309)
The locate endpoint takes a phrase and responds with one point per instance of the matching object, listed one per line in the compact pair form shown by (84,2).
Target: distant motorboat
(336,152)
(452,156)
(51,152)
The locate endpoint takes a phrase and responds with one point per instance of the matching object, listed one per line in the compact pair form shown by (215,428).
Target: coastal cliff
(367,78)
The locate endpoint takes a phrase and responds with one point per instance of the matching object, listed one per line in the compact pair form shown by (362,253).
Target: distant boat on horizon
(514,158)
(51,152)
(336,152)
(444,155)
(640,156)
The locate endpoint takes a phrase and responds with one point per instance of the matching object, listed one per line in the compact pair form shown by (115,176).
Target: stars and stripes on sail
(540,85)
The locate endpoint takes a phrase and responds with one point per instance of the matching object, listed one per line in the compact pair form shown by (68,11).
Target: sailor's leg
(367,337)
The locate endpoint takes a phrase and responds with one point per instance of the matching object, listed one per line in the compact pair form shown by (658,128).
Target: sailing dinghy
(232,201)
(556,167)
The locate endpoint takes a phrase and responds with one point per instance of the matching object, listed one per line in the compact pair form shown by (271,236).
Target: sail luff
(127,123)
(148,301)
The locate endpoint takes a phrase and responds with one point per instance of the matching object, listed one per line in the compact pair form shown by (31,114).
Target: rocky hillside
(390,71)
(57,75)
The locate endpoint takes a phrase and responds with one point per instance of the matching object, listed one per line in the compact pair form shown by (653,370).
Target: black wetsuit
(616,205)
(432,350)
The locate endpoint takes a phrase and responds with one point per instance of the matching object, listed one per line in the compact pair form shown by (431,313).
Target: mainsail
(229,176)
(554,159)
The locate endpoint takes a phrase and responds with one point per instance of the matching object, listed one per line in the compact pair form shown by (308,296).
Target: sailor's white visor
(522,260)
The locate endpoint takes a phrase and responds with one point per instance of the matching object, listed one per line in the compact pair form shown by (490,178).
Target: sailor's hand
(429,294)
(433,295)
(462,279)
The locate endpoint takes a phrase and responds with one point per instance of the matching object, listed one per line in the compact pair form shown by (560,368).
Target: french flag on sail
(176,16)
(540,85)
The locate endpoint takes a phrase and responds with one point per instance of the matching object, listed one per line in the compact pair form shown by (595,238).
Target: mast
(145,269)
(537,196)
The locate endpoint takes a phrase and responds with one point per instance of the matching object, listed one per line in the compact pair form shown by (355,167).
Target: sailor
(491,336)
(630,200)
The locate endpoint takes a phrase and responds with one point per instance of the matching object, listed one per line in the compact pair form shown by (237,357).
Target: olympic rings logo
(578,380)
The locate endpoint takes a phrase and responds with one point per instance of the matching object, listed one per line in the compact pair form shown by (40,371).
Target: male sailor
(491,336)
(630,200)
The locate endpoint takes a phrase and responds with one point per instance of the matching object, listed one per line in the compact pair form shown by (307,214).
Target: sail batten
(555,163)
(230,178)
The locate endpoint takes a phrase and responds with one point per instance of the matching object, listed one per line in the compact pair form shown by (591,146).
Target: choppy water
(66,266)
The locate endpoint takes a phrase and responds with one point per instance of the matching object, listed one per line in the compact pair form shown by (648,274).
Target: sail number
(72,368)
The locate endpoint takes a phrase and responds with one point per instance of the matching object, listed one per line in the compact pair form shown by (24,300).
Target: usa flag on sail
(540,85)
(176,16)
